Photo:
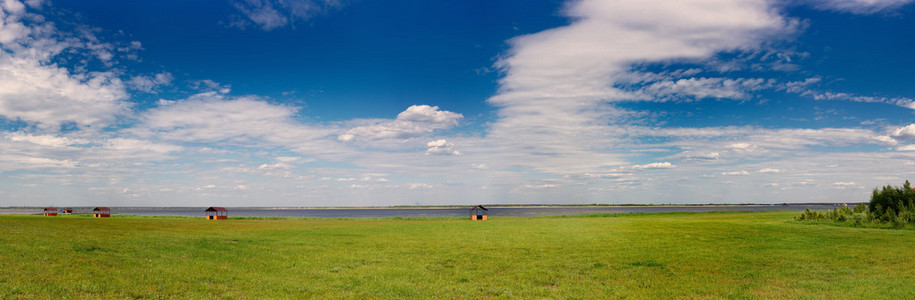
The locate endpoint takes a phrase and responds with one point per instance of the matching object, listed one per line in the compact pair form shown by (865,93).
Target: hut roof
(480,207)
(50,209)
(216,208)
(100,208)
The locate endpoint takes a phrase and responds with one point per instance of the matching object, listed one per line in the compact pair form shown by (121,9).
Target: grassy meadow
(709,255)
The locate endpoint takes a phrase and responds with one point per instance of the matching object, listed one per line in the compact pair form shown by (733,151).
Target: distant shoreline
(29,208)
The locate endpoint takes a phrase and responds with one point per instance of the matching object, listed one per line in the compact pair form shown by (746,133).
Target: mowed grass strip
(714,255)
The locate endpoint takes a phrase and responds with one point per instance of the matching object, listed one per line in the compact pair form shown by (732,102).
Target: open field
(734,255)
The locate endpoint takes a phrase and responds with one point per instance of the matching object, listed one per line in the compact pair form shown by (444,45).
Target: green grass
(716,255)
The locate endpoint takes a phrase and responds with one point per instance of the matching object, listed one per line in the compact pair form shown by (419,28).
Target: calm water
(429,212)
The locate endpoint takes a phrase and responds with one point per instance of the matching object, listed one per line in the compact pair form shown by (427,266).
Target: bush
(891,206)
(892,199)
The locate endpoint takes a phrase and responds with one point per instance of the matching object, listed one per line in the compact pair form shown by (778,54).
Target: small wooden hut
(101,212)
(217,213)
(50,211)
(478,213)
(66,211)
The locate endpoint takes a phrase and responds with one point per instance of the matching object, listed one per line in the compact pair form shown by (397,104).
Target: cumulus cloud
(441,147)
(906,133)
(769,170)
(416,121)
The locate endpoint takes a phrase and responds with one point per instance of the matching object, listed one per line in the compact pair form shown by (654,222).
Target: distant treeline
(889,205)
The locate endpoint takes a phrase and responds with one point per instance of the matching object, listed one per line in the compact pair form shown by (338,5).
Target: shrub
(889,205)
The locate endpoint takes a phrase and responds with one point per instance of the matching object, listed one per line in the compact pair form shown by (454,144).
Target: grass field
(711,255)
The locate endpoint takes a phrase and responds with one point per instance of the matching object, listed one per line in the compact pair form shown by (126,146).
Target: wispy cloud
(273,14)
(859,6)
(37,91)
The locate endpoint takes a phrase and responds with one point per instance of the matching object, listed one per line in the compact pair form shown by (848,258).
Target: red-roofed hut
(217,213)
(478,213)
(50,211)
(101,212)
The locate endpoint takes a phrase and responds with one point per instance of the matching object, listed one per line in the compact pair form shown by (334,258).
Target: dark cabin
(478,213)
(217,213)
(101,212)
(50,211)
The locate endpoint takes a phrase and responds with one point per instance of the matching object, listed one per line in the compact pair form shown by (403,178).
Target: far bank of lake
(433,212)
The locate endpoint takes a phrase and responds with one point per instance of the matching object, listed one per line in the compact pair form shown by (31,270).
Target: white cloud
(207,187)
(25,162)
(799,87)
(769,170)
(288,159)
(207,85)
(37,91)
(273,14)
(262,13)
(416,121)
(741,172)
(656,165)
(441,147)
(860,6)
(885,139)
(45,140)
(49,96)
(125,144)
(420,186)
(741,146)
(151,84)
(212,117)
(276,166)
(898,101)
(905,133)
(540,186)
(704,156)
(553,98)
(910,147)
(700,88)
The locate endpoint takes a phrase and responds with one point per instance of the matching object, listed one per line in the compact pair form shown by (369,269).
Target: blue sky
(375,103)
